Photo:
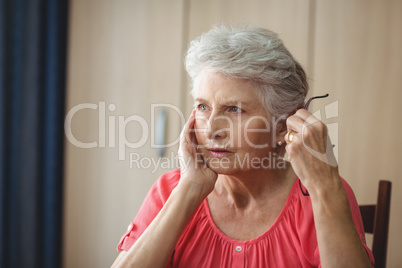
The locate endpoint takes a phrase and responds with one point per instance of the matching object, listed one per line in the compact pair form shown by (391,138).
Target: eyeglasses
(313,98)
(305,193)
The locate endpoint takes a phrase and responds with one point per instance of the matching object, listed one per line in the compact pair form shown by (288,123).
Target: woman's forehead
(228,90)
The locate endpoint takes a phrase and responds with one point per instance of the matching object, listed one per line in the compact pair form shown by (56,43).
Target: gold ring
(289,136)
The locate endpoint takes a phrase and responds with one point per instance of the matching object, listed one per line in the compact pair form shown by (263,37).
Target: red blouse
(290,242)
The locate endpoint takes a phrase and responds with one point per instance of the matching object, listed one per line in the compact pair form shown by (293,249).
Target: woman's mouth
(216,152)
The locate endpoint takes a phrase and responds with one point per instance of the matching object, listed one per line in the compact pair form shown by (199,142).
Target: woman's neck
(254,186)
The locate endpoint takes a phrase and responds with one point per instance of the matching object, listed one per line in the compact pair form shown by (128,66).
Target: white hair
(255,54)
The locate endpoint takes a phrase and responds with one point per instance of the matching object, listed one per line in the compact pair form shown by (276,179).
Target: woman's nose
(218,127)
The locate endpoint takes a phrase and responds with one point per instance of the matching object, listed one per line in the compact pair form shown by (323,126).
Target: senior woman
(235,202)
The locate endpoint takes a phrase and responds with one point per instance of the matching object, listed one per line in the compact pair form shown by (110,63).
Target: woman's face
(232,128)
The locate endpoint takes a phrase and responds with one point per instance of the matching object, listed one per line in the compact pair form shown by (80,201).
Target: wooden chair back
(376,222)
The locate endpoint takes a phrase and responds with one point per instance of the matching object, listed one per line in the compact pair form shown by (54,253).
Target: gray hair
(255,54)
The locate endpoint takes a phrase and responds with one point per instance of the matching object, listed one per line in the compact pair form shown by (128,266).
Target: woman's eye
(202,107)
(235,109)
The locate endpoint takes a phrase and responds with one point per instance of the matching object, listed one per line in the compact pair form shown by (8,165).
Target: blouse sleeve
(152,204)
(357,219)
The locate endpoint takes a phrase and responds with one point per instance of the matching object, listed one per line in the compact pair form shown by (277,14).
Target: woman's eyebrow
(225,103)
(200,100)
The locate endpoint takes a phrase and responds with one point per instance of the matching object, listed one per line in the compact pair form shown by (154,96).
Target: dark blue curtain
(33,38)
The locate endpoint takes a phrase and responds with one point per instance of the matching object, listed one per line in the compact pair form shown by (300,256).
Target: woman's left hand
(312,158)
(310,151)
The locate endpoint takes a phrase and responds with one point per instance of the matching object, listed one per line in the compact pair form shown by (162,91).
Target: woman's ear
(281,130)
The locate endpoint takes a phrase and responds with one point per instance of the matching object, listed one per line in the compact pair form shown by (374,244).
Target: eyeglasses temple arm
(312,98)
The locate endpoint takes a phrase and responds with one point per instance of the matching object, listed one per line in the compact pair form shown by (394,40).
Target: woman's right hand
(193,169)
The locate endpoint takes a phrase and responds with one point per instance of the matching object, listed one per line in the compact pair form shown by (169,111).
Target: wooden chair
(376,221)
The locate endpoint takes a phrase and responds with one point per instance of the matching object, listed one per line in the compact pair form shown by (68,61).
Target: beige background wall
(126,53)
(129,53)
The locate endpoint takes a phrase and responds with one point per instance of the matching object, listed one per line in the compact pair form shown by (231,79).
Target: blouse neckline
(290,199)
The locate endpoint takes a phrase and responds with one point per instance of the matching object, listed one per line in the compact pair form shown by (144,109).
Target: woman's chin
(222,169)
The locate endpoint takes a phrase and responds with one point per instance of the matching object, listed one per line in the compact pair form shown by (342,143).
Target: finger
(201,160)
(187,125)
(306,116)
(294,123)
(294,149)
(289,136)
(300,120)
(190,138)
(311,124)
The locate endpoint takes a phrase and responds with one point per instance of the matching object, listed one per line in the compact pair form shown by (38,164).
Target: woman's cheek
(256,136)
